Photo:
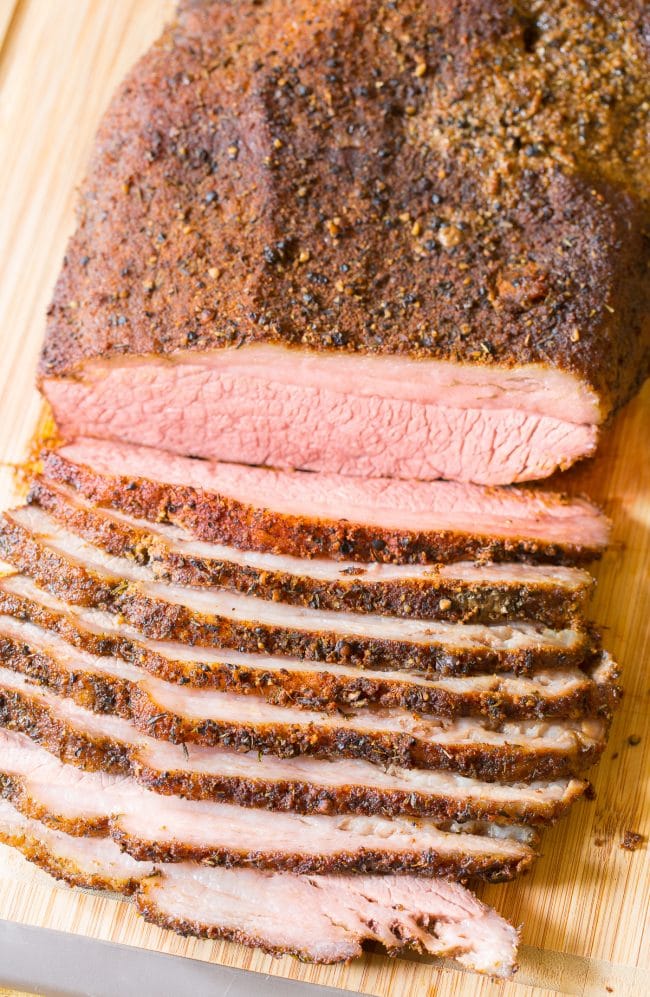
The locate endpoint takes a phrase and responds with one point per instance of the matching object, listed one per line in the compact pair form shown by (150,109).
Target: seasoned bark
(26,800)
(508,762)
(363,194)
(155,611)
(172,771)
(151,829)
(437,596)
(497,698)
(40,852)
(507,752)
(211,516)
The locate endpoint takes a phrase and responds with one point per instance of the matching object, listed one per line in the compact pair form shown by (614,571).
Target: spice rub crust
(462,182)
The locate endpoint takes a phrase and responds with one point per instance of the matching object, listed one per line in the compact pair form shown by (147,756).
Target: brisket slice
(27,647)
(153,828)
(463,592)
(82,574)
(96,863)
(110,744)
(509,751)
(441,290)
(329,516)
(336,913)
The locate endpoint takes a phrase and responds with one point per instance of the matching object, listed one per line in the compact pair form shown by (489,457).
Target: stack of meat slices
(291,709)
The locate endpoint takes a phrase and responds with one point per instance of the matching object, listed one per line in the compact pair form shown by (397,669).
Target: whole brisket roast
(387,240)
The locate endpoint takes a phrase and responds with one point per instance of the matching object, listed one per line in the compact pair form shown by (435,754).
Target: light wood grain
(585,908)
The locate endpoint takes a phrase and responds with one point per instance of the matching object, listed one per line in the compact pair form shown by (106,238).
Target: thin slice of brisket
(508,751)
(336,912)
(325,515)
(91,635)
(82,574)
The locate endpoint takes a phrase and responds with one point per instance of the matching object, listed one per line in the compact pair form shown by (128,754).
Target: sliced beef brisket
(508,751)
(95,863)
(82,574)
(108,743)
(151,828)
(326,515)
(337,913)
(90,636)
(461,592)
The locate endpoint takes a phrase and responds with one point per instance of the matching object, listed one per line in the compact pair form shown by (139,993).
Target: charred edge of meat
(82,750)
(162,620)
(456,865)
(308,798)
(100,693)
(312,690)
(465,602)
(219,519)
(510,762)
(63,869)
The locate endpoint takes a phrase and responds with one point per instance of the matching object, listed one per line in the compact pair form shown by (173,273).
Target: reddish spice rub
(547,527)
(487,594)
(213,619)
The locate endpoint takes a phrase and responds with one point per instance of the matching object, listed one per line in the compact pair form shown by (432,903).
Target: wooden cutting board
(585,908)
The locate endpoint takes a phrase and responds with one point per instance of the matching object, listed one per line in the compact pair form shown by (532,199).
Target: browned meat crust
(13,788)
(75,746)
(221,519)
(434,219)
(59,867)
(151,912)
(510,762)
(424,862)
(459,865)
(309,689)
(23,713)
(49,857)
(434,598)
(162,620)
